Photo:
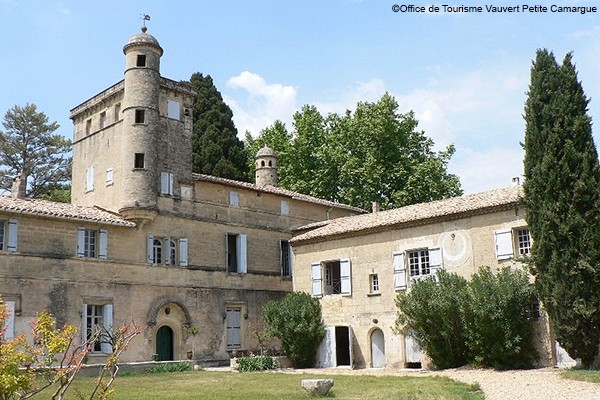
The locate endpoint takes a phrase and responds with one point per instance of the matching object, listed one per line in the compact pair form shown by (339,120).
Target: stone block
(317,387)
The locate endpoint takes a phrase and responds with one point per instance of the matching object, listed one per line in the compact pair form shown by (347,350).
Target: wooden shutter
(399,271)
(317,279)
(107,324)
(13,234)
(241,253)
(80,242)
(183,252)
(9,333)
(103,244)
(150,250)
(435,260)
(346,277)
(504,244)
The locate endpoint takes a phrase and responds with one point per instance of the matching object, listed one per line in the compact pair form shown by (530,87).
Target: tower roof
(143,39)
(266,152)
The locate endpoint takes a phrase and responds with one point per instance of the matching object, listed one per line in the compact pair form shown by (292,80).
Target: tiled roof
(274,190)
(52,209)
(416,214)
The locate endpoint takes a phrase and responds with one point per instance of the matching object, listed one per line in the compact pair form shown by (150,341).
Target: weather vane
(145,17)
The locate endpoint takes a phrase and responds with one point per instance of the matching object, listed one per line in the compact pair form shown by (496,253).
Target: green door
(164,343)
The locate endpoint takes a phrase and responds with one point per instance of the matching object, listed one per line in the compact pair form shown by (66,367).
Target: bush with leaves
(296,321)
(483,321)
(435,311)
(256,363)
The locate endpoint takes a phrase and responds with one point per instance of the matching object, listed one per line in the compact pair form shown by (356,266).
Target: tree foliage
(51,358)
(296,321)
(483,321)
(215,145)
(562,199)
(372,154)
(29,146)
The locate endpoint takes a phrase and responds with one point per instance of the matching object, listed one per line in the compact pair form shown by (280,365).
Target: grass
(586,375)
(274,385)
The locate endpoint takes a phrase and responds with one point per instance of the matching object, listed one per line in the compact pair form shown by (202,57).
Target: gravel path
(542,384)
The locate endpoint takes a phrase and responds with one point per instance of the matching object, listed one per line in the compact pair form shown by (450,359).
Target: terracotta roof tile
(274,190)
(51,209)
(477,203)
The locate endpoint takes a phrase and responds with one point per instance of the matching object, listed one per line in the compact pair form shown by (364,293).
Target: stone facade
(190,258)
(357,265)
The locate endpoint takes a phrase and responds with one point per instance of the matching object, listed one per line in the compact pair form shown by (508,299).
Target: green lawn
(582,375)
(274,385)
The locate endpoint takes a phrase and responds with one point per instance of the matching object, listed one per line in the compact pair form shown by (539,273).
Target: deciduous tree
(562,198)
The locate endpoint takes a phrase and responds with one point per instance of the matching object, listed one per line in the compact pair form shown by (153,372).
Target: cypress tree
(562,199)
(217,149)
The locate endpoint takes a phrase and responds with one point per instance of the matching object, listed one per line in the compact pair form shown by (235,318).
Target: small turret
(266,167)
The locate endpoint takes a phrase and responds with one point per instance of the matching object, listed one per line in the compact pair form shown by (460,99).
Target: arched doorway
(377,349)
(164,343)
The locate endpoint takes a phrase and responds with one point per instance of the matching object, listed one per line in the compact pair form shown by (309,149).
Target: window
(166,183)
(8,235)
(285,257)
(338,279)
(92,243)
(141,60)
(102,120)
(97,326)
(533,313)
(9,323)
(236,249)
(138,162)
(509,240)
(89,178)
(109,177)
(234,329)
(88,127)
(117,115)
(174,109)
(374,283)
(140,116)
(415,264)
(167,251)
(285,207)
(234,199)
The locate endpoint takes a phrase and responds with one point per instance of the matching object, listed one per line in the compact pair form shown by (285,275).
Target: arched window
(157,251)
(270,165)
(262,163)
(172,252)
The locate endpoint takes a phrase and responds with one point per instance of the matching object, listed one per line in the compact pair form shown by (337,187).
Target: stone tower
(140,121)
(266,167)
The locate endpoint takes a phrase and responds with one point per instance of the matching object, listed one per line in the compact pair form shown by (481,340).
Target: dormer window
(141,60)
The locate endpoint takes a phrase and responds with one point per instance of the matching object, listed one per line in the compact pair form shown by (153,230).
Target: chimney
(376,206)
(19,184)
(516,181)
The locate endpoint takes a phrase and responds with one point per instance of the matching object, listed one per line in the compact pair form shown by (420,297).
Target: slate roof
(274,190)
(52,209)
(416,214)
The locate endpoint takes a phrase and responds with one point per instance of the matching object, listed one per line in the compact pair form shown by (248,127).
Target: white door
(378,349)
(414,354)
(327,349)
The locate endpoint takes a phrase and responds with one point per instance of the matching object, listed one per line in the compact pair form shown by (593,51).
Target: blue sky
(464,74)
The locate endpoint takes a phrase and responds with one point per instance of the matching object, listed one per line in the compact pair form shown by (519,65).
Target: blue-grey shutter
(435,260)
(242,253)
(183,252)
(399,271)
(9,333)
(107,324)
(167,253)
(150,249)
(103,244)
(13,234)
(80,242)
(317,279)
(346,277)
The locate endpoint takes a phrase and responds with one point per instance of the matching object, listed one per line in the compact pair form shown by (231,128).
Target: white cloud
(263,104)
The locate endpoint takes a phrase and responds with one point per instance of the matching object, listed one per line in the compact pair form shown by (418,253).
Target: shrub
(255,363)
(181,366)
(296,321)
(435,312)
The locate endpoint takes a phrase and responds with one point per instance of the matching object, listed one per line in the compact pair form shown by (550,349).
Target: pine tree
(30,148)
(217,149)
(562,198)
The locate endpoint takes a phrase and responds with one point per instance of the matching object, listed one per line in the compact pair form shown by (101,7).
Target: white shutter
(103,244)
(167,251)
(241,253)
(399,271)
(89,178)
(171,179)
(107,324)
(9,333)
(84,331)
(317,279)
(150,250)
(234,199)
(285,207)
(504,244)
(327,348)
(346,277)
(183,252)
(164,183)
(13,234)
(435,260)
(291,253)
(80,242)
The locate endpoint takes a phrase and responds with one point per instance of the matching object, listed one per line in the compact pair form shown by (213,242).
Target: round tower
(266,167)
(140,180)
